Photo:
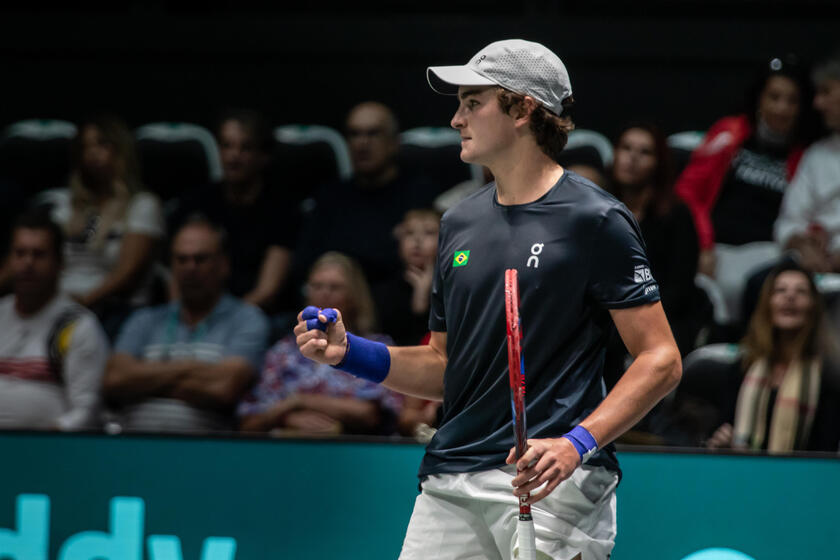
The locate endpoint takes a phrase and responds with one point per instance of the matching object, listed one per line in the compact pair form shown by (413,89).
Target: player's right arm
(414,370)
(418,370)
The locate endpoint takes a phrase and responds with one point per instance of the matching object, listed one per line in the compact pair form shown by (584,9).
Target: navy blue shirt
(579,252)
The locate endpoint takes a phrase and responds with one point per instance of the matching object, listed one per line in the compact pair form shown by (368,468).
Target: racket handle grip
(527,540)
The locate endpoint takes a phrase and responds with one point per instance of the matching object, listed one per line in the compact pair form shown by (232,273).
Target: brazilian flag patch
(461,258)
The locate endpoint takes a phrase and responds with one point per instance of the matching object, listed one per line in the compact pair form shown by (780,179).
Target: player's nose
(457,121)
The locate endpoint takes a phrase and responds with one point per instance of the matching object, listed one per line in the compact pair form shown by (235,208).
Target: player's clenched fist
(320,335)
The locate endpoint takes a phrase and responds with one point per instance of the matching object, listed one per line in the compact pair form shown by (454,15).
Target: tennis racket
(516,367)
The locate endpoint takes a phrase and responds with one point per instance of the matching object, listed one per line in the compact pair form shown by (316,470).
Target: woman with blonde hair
(784,394)
(112,226)
(297,395)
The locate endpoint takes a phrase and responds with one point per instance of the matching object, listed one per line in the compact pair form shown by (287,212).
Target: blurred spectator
(297,395)
(403,301)
(112,227)
(735,179)
(357,216)
(11,204)
(584,158)
(590,172)
(462,190)
(419,418)
(52,350)
(809,222)
(184,366)
(783,393)
(641,177)
(261,225)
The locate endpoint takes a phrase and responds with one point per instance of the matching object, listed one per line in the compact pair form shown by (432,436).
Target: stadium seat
(587,147)
(435,153)
(306,156)
(177,157)
(695,406)
(682,144)
(721,313)
(35,154)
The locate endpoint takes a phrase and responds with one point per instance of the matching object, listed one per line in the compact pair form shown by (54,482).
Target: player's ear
(522,111)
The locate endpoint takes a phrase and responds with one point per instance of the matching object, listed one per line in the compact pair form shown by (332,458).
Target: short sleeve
(437,312)
(144,216)
(250,338)
(134,334)
(84,367)
(799,204)
(620,273)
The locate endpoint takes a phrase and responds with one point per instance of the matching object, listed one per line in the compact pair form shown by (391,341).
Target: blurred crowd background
(177,182)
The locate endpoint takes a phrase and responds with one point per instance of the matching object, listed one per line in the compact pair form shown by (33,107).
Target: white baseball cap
(521,66)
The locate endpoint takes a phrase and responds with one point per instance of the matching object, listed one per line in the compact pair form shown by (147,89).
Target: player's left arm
(655,371)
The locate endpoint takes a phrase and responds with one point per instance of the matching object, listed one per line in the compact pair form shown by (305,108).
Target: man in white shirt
(52,350)
(809,221)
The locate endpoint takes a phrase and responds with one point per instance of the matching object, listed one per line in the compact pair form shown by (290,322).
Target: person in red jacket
(735,179)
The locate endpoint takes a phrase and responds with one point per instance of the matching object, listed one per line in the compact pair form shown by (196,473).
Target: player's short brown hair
(551,131)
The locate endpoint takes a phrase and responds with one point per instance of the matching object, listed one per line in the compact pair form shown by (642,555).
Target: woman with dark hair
(783,392)
(112,226)
(641,177)
(735,179)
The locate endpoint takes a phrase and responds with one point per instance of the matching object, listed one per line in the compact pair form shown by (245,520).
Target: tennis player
(581,263)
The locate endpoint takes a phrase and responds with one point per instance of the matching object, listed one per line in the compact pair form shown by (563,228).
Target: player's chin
(467,155)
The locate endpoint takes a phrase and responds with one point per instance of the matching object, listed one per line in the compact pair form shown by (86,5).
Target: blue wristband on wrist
(583,441)
(365,359)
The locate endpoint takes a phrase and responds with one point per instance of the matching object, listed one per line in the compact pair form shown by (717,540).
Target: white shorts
(474,515)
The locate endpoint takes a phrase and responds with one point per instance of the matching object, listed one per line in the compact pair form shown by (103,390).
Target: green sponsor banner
(86,497)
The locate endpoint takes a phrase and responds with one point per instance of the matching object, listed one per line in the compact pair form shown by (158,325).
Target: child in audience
(403,301)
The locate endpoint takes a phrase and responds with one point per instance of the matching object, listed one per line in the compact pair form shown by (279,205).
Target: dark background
(684,63)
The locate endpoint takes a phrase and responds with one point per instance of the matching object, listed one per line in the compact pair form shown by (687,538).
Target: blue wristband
(365,359)
(583,441)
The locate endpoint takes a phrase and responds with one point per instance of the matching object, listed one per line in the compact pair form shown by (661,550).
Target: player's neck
(525,175)
(379,178)
(27,305)
(245,192)
(193,311)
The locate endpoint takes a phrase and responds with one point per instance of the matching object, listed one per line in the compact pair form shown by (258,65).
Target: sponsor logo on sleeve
(641,274)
